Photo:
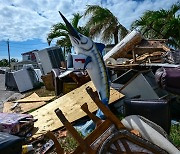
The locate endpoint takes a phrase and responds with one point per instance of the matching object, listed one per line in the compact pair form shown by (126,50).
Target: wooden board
(124,46)
(35,98)
(22,107)
(70,106)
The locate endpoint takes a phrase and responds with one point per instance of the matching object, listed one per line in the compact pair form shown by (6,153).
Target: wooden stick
(84,146)
(94,118)
(134,56)
(59,149)
(104,109)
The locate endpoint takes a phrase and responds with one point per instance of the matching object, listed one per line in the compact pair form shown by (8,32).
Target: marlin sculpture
(97,70)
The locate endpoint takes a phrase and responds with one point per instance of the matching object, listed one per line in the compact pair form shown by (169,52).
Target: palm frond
(102,22)
(75,20)
(60,32)
(161,24)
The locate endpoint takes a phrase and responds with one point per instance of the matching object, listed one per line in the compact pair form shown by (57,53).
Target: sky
(26,23)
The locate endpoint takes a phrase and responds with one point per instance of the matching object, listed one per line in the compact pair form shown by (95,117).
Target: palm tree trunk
(64,51)
(115,37)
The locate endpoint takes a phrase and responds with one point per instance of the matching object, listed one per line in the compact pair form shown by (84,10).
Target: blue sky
(26,23)
(17,48)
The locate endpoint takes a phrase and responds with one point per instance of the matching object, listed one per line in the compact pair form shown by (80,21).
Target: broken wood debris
(137,50)
(111,132)
(70,104)
(35,98)
(26,104)
(22,107)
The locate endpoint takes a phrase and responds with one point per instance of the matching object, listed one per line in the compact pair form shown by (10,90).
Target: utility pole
(9,53)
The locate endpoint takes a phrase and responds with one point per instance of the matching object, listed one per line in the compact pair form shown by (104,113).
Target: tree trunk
(116,37)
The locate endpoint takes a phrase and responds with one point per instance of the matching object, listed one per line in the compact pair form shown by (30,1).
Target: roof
(29,52)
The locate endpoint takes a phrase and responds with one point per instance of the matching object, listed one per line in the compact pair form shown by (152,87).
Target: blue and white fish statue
(97,69)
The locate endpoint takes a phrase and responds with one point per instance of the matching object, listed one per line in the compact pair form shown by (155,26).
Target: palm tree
(60,31)
(103,22)
(4,62)
(161,24)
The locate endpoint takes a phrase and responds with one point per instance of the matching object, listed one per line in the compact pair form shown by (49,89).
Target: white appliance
(49,58)
(25,79)
(39,74)
(77,62)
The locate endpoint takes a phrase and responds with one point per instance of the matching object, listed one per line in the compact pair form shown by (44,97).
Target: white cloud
(28,19)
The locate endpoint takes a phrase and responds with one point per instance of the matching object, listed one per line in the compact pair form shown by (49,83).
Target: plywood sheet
(22,107)
(35,98)
(70,106)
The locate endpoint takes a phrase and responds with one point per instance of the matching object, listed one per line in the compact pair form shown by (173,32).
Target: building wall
(29,56)
(19,65)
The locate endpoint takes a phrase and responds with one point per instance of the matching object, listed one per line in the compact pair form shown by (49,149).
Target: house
(29,56)
(19,65)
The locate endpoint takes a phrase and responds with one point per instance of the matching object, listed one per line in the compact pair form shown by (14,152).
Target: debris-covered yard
(125,101)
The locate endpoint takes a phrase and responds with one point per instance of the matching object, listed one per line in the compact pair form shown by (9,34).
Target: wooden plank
(35,98)
(144,50)
(124,46)
(70,106)
(22,107)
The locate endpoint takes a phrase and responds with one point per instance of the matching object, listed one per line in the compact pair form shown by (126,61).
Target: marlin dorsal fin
(88,60)
(100,47)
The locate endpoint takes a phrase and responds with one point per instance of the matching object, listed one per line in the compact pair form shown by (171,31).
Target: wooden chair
(109,136)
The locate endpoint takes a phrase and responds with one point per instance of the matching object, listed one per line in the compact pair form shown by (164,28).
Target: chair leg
(82,143)
(58,147)
(104,109)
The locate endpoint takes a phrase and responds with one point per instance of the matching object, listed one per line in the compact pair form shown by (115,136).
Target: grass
(175,135)
(68,143)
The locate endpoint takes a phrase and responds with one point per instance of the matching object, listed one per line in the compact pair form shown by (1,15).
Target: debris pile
(142,88)
(135,49)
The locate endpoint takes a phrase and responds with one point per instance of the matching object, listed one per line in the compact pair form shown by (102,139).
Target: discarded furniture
(10,144)
(169,79)
(153,110)
(120,81)
(143,84)
(70,104)
(110,135)
(59,149)
(17,124)
(148,58)
(23,80)
(138,50)
(125,45)
(48,81)
(150,131)
(50,58)
(152,47)
(68,82)
(10,82)
(62,85)
(138,83)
